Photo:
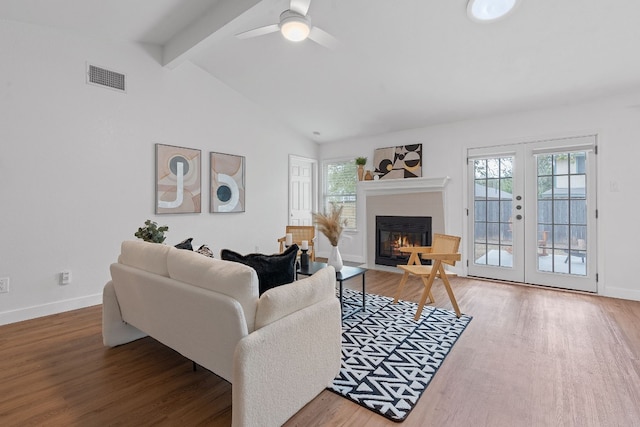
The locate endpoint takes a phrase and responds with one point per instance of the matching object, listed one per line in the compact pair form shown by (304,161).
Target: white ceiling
(400,64)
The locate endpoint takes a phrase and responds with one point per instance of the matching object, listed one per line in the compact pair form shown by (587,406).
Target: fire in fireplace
(394,232)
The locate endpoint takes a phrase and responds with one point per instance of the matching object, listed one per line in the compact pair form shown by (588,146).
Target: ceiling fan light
(489,10)
(295,28)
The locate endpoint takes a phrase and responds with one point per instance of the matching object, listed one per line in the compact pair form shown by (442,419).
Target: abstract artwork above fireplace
(404,161)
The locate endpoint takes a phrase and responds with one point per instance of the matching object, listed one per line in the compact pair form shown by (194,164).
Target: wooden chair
(542,244)
(444,250)
(300,233)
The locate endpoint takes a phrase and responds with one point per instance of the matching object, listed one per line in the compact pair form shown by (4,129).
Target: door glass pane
(493,232)
(480,232)
(480,169)
(545,210)
(561,211)
(493,187)
(493,211)
(493,168)
(561,204)
(544,165)
(578,211)
(506,186)
(493,238)
(506,168)
(493,257)
(506,234)
(479,253)
(480,189)
(544,242)
(578,184)
(481,210)
(560,237)
(545,186)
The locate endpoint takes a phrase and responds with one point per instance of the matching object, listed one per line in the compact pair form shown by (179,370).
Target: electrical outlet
(4,285)
(65,277)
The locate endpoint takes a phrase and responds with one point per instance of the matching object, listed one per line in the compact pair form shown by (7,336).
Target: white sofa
(278,350)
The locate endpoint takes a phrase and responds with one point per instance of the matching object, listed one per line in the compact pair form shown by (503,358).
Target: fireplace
(394,232)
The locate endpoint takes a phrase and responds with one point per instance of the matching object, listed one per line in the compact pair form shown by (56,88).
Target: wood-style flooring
(530,357)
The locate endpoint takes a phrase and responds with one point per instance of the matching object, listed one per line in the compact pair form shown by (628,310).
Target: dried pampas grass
(330,224)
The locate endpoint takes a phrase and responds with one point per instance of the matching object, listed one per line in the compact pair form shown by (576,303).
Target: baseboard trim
(48,309)
(630,294)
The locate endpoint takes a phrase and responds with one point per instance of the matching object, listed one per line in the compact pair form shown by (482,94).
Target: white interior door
(301,190)
(533,213)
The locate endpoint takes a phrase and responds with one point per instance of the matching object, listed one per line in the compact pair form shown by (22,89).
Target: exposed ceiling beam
(177,49)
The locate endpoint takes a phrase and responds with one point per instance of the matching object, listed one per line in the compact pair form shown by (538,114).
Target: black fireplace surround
(393,232)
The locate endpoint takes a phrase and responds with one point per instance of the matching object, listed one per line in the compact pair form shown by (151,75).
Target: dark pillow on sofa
(185,244)
(273,270)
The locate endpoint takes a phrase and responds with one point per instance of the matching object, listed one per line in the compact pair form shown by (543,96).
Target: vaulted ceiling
(399,64)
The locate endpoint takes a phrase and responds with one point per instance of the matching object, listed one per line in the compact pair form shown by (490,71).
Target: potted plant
(361,161)
(151,232)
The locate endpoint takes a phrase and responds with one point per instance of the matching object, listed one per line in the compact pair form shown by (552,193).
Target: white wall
(616,120)
(77,163)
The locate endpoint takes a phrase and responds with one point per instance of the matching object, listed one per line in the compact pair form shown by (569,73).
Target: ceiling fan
(295,25)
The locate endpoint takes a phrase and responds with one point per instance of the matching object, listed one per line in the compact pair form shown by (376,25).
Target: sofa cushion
(281,301)
(150,257)
(229,278)
(273,270)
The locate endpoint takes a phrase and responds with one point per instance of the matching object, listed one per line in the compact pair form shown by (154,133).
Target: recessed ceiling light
(489,10)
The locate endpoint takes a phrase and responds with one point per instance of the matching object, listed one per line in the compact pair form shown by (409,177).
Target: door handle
(518,216)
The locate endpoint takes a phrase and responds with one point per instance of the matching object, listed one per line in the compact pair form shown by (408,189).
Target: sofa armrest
(281,367)
(283,300)
(115,331)
(202,325)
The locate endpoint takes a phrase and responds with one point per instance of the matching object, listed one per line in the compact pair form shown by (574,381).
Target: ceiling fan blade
(259,31)
(300,6)
(323,38)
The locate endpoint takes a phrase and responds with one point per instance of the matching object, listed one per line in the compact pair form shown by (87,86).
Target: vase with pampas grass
(331,225)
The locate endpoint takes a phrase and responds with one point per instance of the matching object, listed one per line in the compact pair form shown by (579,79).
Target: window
(340,182)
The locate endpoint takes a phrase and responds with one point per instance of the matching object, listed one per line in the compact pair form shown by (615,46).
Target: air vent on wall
(106,78)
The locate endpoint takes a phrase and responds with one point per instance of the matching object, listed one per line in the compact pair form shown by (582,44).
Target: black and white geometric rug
(388,359)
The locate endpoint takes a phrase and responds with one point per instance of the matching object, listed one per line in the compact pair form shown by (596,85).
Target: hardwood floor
(530,357)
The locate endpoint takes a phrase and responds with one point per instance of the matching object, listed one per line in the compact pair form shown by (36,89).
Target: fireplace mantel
(407,197)
(401,186)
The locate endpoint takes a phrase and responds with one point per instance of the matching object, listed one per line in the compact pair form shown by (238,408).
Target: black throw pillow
(273,270)
(185,244)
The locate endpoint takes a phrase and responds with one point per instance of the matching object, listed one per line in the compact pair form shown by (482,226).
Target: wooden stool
(443,250)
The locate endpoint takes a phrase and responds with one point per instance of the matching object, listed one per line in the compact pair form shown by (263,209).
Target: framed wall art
(227,183)
(178,180)
(404,161)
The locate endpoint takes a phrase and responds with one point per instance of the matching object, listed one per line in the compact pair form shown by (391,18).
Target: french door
(532,213)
